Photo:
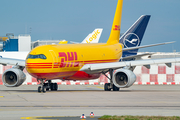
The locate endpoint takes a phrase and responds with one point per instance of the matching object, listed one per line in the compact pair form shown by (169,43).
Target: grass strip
(109,117)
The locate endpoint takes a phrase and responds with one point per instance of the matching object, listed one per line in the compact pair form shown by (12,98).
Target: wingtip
(170,42)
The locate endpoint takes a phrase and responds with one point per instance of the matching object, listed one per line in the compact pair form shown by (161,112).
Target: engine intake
(13,77)
(123,78)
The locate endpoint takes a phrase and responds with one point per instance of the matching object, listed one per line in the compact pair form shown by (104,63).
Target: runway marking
(100,87)
(46,117)
(35,118)
(96,87)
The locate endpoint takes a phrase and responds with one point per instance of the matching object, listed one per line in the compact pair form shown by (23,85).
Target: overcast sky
(73,20)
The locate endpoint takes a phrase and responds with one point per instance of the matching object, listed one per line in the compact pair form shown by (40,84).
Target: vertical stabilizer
(115,30)
(94,36)
(134,35)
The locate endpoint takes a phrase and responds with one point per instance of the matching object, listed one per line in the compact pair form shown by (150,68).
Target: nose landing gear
(47,86)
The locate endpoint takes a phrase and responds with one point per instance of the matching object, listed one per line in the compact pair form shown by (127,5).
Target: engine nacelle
(13,77)
(123,78)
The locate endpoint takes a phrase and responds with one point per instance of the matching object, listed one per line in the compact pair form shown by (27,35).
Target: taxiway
(74,100)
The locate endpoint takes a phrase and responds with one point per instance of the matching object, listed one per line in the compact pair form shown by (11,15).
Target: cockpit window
(41,56)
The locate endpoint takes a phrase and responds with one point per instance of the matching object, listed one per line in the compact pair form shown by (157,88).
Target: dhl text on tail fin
(115,30)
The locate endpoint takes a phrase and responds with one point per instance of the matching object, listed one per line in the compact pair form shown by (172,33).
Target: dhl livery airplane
(80,62)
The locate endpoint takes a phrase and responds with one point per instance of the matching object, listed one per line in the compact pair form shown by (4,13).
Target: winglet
(115,30)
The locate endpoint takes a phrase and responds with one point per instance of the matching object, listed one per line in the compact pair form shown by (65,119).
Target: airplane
(80,62)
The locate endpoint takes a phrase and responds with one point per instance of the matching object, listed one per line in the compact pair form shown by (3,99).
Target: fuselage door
(55,59)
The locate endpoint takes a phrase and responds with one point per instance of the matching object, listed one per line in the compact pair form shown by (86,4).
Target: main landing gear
(47,86)
(109,86)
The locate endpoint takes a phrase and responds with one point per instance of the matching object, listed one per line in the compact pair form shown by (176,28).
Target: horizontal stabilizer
(132,48)
(136,56)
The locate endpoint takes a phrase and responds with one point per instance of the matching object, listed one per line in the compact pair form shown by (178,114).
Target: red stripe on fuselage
(70,75)
(36,63)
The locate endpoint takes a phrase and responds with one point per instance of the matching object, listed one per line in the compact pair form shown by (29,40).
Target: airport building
(11,43)
(44,42)
(16,43)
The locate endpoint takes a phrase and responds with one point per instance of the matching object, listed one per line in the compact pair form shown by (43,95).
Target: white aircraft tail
(94,36)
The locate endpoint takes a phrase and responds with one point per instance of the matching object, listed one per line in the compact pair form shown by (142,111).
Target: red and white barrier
(158,74)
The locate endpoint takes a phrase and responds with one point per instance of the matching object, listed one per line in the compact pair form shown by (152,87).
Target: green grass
(108,117)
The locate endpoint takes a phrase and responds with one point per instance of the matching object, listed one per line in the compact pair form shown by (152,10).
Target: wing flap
(91,68)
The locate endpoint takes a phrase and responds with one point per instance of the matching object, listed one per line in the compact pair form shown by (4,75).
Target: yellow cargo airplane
(80,62)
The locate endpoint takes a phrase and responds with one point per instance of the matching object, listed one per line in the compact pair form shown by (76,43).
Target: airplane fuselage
(64,61)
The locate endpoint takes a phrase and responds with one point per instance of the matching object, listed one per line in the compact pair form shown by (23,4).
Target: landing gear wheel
(54,87)
(43,86)
(47,86)
(107,87)
(39,89)
(47,89)
(44,89)
(115,88)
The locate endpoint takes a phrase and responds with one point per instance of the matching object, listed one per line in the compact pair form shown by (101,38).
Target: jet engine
(123,78)
(13,77)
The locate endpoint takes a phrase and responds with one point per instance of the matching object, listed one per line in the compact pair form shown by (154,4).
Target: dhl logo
(117,27)
(94,36)
(68,59)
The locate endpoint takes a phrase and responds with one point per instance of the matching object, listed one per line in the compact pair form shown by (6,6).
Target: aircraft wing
(100,67)
(132,48)
(10,61)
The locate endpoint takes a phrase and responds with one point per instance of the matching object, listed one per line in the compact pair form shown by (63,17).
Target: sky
(73,20)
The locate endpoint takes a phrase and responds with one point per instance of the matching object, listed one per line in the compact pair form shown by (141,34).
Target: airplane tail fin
(115,30)
(94,36)
(133,36)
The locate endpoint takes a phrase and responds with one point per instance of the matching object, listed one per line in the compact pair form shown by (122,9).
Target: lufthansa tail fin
(133,36)
(94,36)
(115,30)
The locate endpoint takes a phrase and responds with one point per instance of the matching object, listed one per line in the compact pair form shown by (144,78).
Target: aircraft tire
(52,86)
(47,86)
(39,89)
(55,86)
(44,89)
(106,87)
(115,88)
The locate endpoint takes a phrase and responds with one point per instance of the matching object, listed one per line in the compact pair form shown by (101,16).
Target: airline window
(41,56)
